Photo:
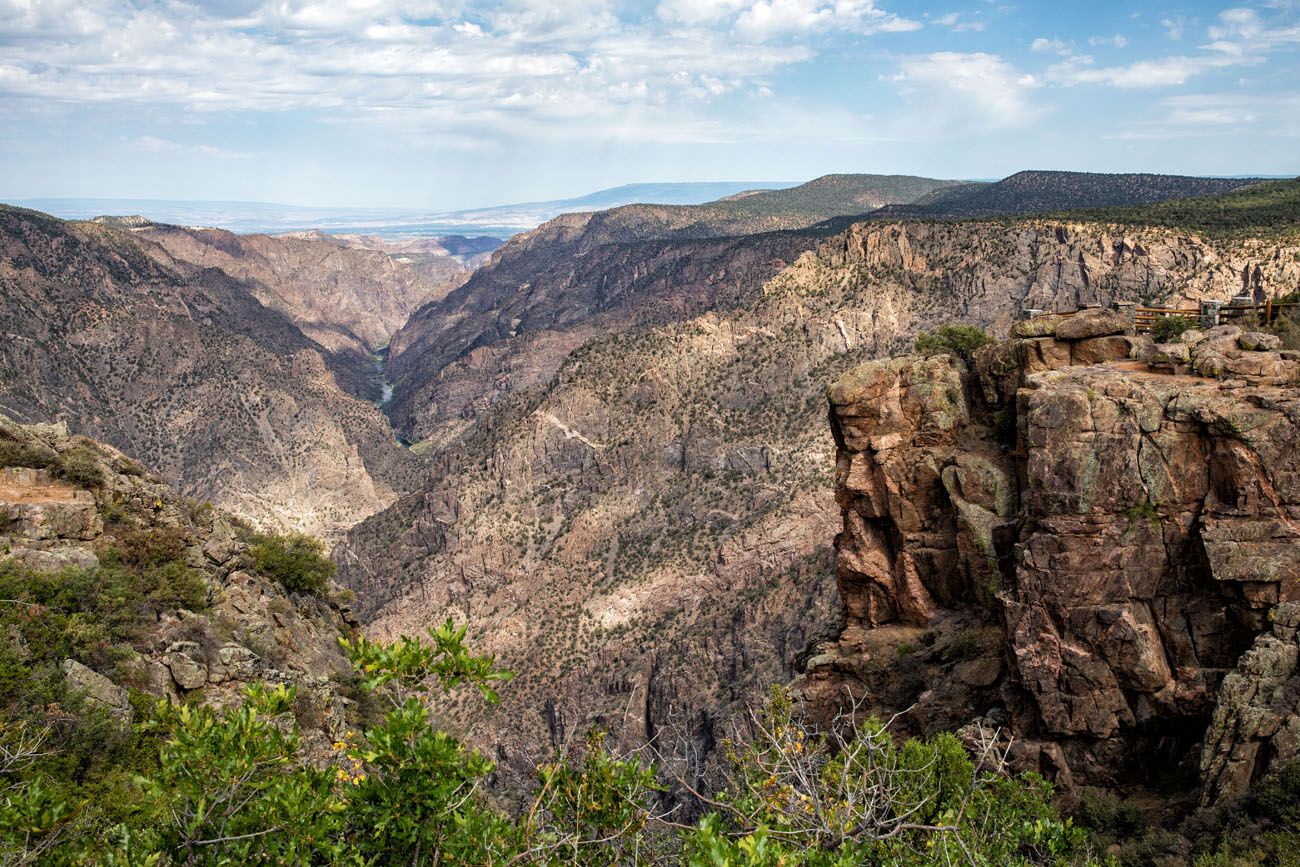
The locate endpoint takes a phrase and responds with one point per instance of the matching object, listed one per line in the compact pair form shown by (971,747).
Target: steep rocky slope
(1073,549)
(183,368)
(186,613)
(345,295)
(581,275)
(643,535)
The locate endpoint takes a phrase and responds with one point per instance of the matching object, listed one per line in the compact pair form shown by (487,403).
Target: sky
(446,104)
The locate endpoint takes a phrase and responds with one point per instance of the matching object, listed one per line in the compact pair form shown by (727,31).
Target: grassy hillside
(1267,210)
(1033,192)
(835,195)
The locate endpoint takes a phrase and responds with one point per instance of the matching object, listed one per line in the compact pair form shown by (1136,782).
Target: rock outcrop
(347,297)
(1256,721)
(1129,530)
(247,629)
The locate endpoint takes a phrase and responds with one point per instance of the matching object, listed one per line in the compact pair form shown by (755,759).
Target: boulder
(1094,322)
(186,670)
(98,690)
(1100,350)
(1038,326)
(234,662)
(1172,353)
(1258,341)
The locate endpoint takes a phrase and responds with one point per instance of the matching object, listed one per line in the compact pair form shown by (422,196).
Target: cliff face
(346,297)
(236,627)
(637,527)
(186,370)
(1119,534)
(582,275)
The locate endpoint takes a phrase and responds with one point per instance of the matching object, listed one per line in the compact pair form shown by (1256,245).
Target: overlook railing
(1208,315)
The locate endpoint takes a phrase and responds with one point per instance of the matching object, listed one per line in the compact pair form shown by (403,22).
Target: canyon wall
(640,526)
(1107,538)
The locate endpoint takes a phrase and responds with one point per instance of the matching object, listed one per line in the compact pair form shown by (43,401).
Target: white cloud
(967,92)
(1240,38)
(156,145)
(954,21)
(767,19)
(1042,45)
(1219,114)
(1175,26)
(1165,72)
(1237,24)
(1118,40)
(518,67)
(699,11)
(449,67)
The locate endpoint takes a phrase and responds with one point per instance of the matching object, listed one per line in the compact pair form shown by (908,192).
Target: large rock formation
(1128,529)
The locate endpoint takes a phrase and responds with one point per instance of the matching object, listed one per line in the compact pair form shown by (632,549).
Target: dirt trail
(33,486)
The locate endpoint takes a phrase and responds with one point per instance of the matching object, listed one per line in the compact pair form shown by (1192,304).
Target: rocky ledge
(1077,547)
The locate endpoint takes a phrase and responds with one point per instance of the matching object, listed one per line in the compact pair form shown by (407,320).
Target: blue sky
(444,104)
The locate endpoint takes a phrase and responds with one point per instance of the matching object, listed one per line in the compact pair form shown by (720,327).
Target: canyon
(621,478)
(671,486)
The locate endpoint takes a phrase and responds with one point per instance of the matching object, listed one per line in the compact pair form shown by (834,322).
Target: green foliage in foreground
(1259,830)
(958,340)
(1287,327)
(296,560)
(235,787)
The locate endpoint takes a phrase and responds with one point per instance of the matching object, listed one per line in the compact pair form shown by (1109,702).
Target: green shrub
(1287,327)
(958,340)
(1278,796)
(296,560)
(1167,329)
(1107,816)
(80,465)
(15,454)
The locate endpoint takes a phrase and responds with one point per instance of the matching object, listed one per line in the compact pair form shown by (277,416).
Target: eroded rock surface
(1129,531)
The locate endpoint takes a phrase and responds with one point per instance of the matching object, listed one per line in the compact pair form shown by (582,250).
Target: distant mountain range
(500,221)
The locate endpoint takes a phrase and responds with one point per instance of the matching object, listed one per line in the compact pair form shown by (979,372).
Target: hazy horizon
(433,105)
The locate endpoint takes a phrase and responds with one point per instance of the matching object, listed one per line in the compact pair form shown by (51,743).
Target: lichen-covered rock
(1257,714)
(1256,341)
(1093,322)
(97,689)
(1037,326)
(34,505)
(183,661)
(1131,529)
(1117,347)
(1173,353)
(1226,352)
(246,621)
(898,422)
